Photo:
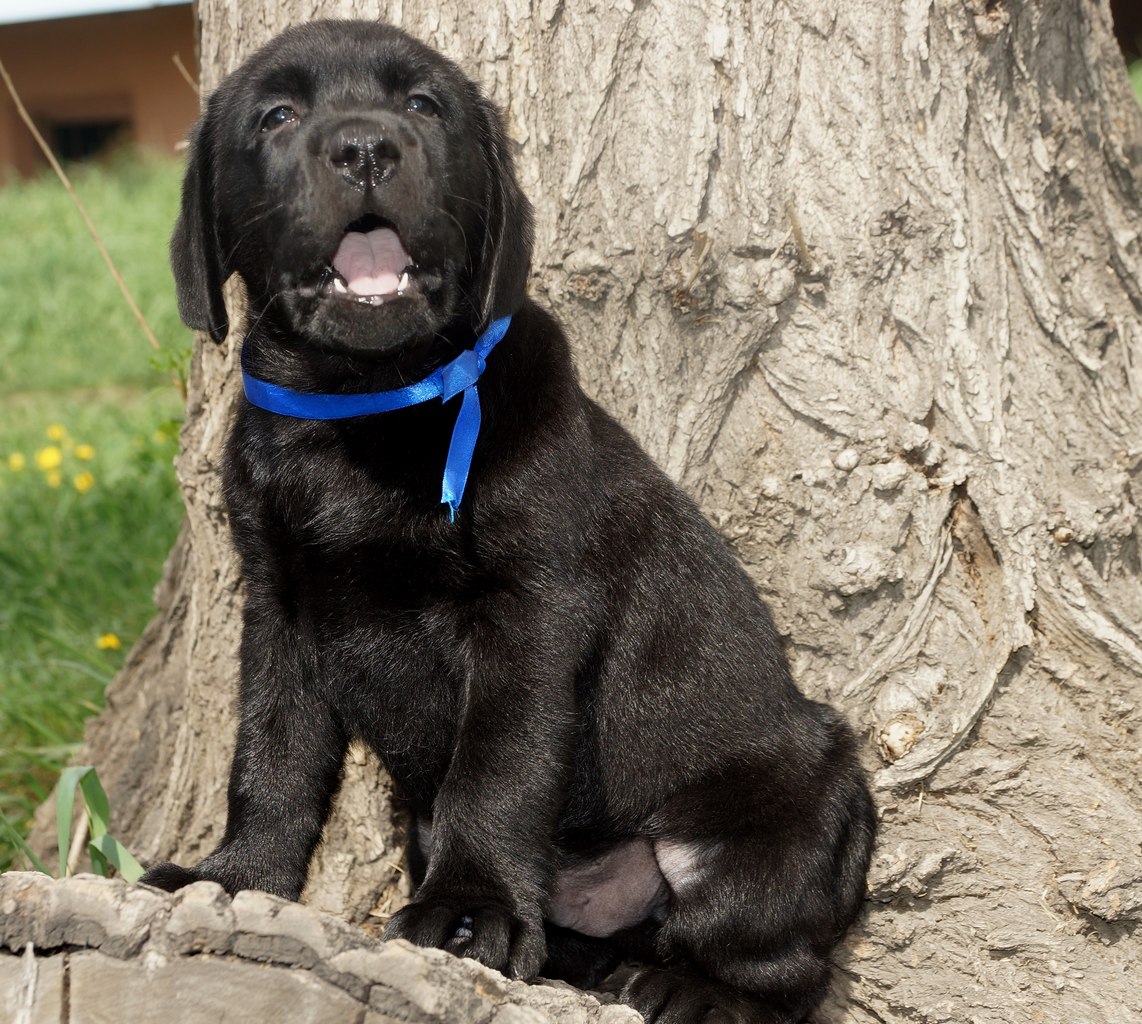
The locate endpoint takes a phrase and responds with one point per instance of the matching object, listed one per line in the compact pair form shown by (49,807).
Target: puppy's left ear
(196,256)
(505,258)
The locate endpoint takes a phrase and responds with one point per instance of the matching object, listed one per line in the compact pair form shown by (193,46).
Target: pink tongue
(371,262)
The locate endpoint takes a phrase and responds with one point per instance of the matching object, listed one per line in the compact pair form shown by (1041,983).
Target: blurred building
(95,74)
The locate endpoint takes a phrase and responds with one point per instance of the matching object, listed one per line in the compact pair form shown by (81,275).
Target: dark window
(82,140)
(1128,27)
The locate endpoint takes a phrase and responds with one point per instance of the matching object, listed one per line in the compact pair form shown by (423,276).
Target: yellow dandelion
(54,477)
(160,436)
(108,642)
(49,457)
(56,433)
(84,452)
(83,482)
(16,462)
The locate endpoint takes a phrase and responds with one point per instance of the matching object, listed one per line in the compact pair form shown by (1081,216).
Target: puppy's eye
(421,104)
(277,117)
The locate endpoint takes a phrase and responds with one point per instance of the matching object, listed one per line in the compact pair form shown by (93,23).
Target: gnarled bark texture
(865,279)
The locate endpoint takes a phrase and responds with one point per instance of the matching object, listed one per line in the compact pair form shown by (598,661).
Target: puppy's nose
(363,153)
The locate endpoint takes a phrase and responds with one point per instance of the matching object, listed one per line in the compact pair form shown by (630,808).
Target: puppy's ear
(505,257)
(196,258)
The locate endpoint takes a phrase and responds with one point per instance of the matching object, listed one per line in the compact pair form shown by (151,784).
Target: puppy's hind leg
(754,914)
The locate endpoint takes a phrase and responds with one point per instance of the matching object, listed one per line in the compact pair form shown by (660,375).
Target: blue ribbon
(460,375)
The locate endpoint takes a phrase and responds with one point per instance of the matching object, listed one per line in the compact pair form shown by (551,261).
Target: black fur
(576,667)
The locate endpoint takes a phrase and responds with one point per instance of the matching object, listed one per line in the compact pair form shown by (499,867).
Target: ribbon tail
(461,450)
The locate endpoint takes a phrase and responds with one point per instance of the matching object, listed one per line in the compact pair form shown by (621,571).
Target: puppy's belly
(626,884)
(613,890)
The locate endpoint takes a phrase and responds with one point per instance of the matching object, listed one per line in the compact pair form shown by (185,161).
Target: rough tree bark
(865,279)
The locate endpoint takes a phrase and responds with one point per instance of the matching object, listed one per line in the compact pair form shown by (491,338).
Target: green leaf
(69,778)
(98,862)
(22,846)
(98,806)
(106,851)
(119,856)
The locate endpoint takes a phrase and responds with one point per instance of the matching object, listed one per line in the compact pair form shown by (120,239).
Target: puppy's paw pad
(464,930)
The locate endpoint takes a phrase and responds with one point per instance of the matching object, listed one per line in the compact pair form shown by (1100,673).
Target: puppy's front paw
(168,876)
(233,871)
(490,933)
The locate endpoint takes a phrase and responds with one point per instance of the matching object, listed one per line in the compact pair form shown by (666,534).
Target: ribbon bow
(460,375)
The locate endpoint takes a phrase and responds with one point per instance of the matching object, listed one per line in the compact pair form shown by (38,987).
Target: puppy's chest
(370,576)
(389,646)
(380,598)
(386,612)
(356,528)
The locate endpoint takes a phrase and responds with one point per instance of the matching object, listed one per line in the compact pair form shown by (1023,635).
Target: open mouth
(370,266)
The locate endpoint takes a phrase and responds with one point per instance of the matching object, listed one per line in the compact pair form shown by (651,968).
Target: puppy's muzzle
(363,153)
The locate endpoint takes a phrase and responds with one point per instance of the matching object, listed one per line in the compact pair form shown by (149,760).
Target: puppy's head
(361,187)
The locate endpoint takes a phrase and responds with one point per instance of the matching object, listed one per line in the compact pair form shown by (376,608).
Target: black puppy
(571,681)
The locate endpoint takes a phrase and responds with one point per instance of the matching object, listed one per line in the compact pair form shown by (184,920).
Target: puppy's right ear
(196,257)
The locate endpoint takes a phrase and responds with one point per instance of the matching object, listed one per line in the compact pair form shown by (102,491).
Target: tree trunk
(865,280)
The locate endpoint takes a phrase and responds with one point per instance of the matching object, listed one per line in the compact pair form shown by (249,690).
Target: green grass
(79,554)
(65,324)
(1135,72)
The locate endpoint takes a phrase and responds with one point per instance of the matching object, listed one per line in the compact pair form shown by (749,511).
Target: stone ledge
(89,950)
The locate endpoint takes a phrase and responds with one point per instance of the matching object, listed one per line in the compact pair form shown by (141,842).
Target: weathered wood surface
(87,951)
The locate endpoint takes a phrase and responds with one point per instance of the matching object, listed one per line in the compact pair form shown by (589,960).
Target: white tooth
(339,286)
(402,284)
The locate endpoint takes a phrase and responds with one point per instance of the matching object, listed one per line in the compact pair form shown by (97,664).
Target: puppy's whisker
(251,221)
(452,217)
(463,199)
